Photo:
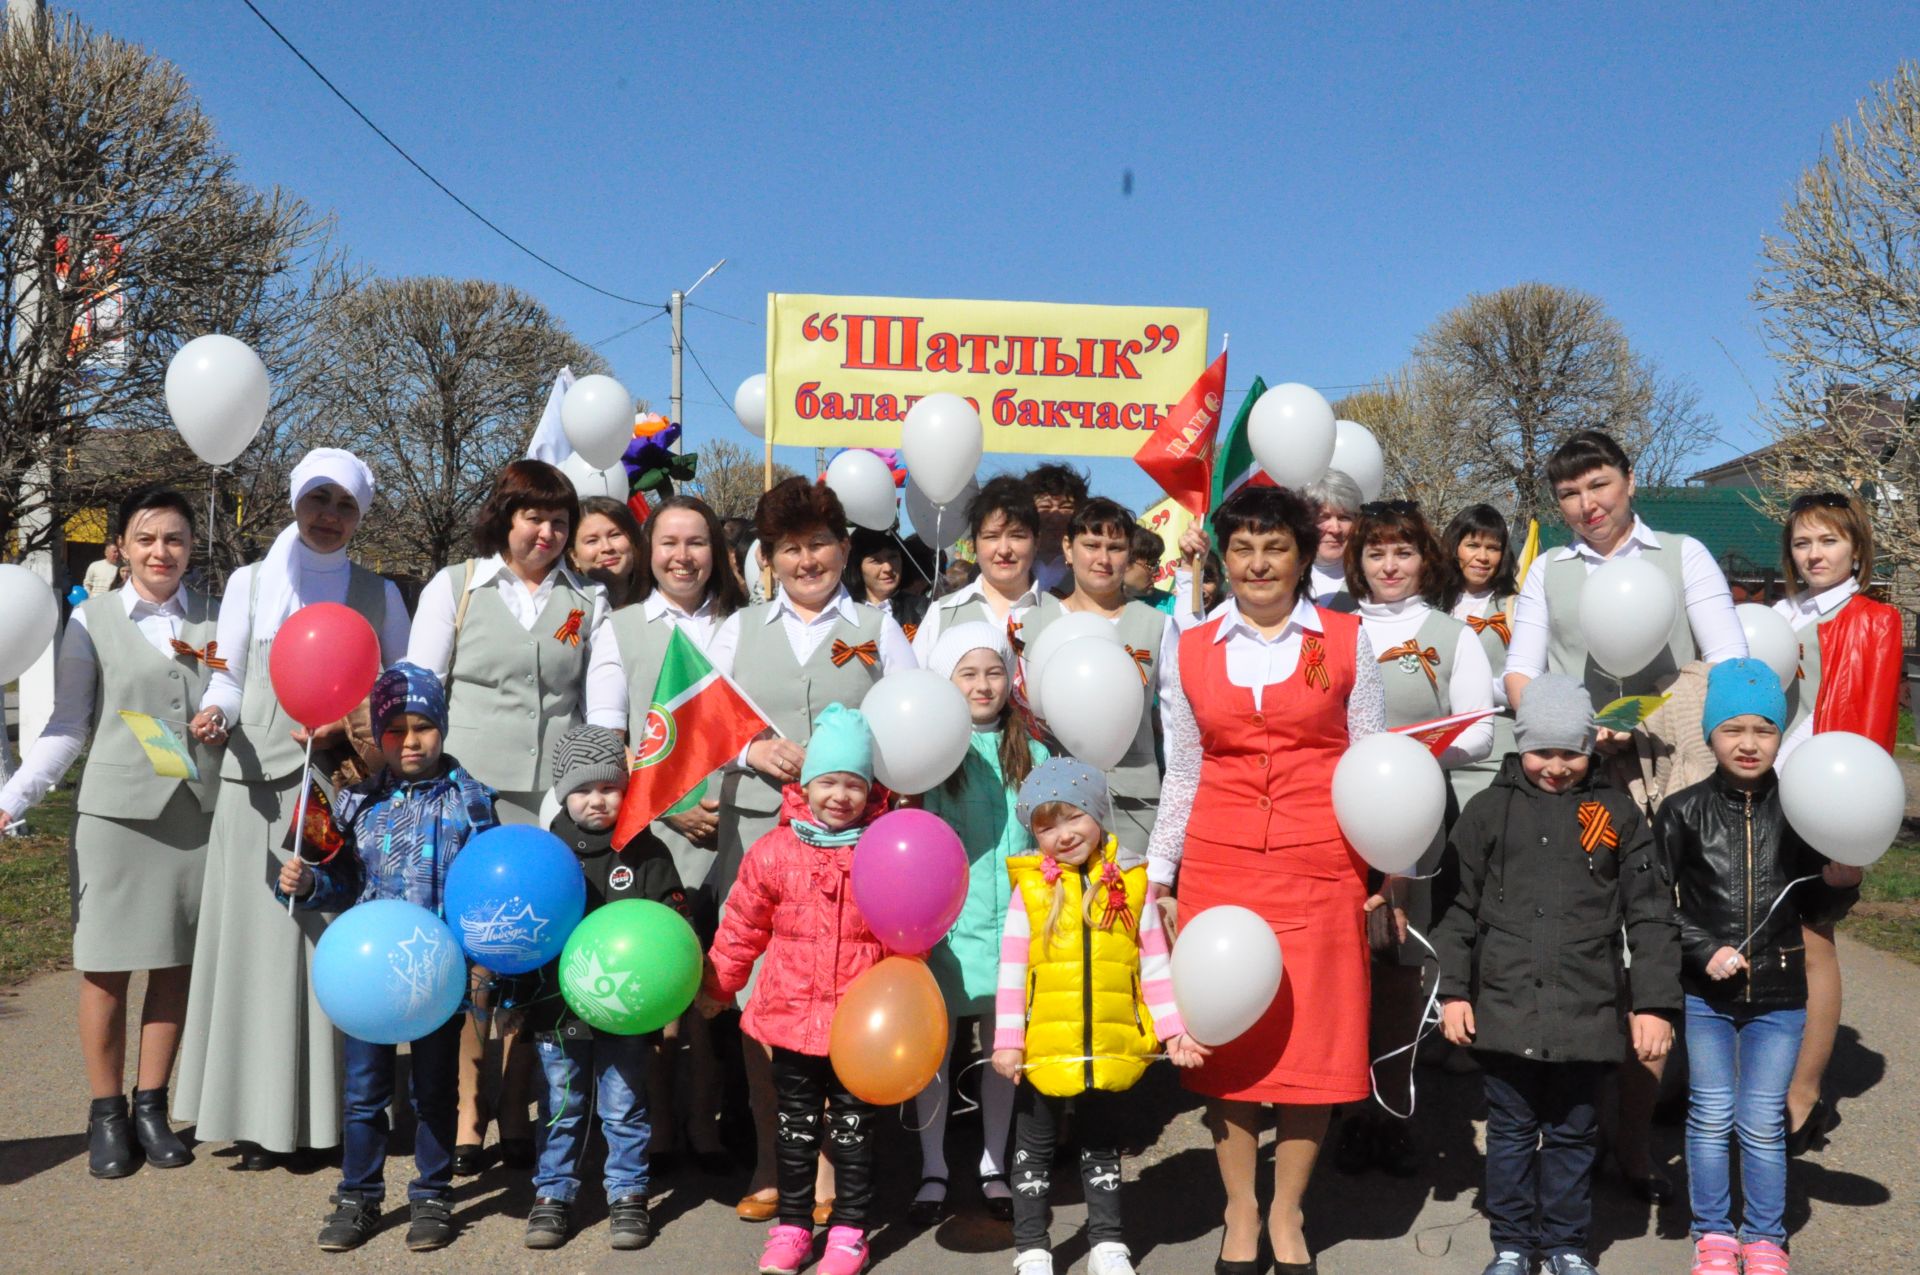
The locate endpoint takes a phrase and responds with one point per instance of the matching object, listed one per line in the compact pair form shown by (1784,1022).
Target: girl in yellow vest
(1084,1001)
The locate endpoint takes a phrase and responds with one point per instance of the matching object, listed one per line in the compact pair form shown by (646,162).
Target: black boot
(110,1151)
(162,1145)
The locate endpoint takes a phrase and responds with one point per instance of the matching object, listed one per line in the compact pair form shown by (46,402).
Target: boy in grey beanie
(585,755)
(1555,714)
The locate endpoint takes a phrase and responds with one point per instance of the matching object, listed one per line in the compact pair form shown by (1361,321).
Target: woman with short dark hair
(1005,527)
(878,572)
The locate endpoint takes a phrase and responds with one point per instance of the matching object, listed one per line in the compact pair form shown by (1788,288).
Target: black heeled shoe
(255,1158)
(999,1207)
(158,1142)
(928,1212)
(110,1152)
(1309,1267)
(469,1159)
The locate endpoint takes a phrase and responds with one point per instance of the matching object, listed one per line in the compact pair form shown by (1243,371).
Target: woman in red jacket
(1851,662)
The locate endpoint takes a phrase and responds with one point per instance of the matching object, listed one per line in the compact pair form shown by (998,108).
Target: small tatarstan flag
(165,750)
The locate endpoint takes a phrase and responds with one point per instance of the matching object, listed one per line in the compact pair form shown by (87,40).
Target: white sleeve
(1527,653)
(926,635)
(1367,707)
(430,645)
(1469,689)
(1169,656)
(234,633)
(606,690)
(896,652)
(395,628)
(1182,781)
(1716,625)
(75,684)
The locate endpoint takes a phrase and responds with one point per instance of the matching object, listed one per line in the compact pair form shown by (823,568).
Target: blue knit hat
(408,688)
(842,743)
(1738,687)
(1064,779)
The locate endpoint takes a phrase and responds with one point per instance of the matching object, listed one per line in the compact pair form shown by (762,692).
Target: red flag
(1442,731)
(1179,454)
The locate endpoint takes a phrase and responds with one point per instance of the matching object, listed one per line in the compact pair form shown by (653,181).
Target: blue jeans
(618,1068)
(368,1089)
(1542,1140)
(1739,1065)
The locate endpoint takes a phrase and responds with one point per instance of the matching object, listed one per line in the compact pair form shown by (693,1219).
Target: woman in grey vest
(1006,533)
(1098,543)
(810,646)
(1479,592)
(139,837)
(1336,501)
(260,1062)
(1431,665)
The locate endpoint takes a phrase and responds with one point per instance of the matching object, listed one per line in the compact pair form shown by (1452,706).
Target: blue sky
(1326,180)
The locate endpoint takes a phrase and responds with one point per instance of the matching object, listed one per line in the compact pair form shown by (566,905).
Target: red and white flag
(1441,731)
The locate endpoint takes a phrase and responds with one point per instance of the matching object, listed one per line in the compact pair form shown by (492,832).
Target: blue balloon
(513,896)
(388,971)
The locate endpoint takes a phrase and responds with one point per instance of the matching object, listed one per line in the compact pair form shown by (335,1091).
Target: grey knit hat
(585,754)
(1064,779)
(1555,712)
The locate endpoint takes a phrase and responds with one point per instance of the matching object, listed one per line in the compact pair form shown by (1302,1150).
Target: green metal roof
(1724,519)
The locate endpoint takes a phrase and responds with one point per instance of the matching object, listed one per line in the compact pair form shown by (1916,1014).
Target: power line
(752,323)
(609,340)
(421,169)
(688,347)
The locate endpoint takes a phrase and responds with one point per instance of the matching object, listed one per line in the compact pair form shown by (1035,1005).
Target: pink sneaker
(1764,1257)
(846,1252)
(787,1250)
(1716,1255)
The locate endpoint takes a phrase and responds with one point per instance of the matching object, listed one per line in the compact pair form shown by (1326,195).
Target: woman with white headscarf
(260,1062)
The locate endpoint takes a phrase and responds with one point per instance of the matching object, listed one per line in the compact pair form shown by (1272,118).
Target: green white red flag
(1233,463)
(1179,454)
(698,721)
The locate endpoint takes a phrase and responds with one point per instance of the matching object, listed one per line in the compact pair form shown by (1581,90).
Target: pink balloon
(909,880)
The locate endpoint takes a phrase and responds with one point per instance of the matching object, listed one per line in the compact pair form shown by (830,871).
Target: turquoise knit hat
(1739,687)
(842,742)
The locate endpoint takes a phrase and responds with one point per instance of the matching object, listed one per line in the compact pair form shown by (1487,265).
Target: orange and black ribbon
(1313,656)
(1497,622)
(570,631)
(1014,639)
(1429,658)
(206,657)
(910,630)
(867,651)
(1799,668)
(1143,659)
(1596,828)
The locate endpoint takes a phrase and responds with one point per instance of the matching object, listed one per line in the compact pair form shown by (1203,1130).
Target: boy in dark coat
(1552,862)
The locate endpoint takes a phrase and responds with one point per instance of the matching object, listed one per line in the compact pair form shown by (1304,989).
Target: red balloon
(323,663)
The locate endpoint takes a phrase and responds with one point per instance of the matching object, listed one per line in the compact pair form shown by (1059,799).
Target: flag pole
(1196,601)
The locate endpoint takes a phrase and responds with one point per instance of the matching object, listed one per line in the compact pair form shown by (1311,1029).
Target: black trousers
(1096,1127)
(1542,1140)
(811,1098)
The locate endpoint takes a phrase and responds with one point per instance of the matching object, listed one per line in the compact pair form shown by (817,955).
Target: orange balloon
(889,1032)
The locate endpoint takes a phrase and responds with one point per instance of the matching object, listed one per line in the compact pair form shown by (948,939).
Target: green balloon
(630,967)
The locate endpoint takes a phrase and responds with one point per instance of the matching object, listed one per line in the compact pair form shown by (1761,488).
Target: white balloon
(1771,640)
(750,404)
(1627,609)
(1068,628)
(29,613)
(1356,453)
(865,487)
(597,414)
(1094,688)
(549,807)
(1292,432)
(588,481)
(921,729)
(940,442)
(217,391)
(939,525)
(1389,797)
(1843,794)
(1226,972)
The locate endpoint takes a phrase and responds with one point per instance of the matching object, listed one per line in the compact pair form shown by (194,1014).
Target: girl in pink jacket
(793,902)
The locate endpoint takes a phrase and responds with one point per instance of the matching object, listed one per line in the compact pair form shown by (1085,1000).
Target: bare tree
(1527,365)
(437,384)
(730,478)
(1839,291)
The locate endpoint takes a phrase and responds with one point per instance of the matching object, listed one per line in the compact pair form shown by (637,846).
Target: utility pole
(676,307)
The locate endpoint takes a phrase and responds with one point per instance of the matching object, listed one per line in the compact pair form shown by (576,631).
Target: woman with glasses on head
(1851,664)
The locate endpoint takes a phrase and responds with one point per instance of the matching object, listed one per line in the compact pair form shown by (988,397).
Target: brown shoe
(822,1212)
(754,1209)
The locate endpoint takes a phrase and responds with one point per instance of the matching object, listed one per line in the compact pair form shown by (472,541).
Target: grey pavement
(1854,1205)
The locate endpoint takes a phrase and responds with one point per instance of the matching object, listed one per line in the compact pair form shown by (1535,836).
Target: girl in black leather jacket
(1744,882)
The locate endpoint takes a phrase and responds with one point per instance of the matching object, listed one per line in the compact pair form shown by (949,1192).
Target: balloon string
(1429,1019)
(908,554)
(1782,898)
(300,810)
(973,1105)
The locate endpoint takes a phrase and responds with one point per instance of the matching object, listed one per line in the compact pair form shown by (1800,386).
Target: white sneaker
(1035,1261)
(1109,1259)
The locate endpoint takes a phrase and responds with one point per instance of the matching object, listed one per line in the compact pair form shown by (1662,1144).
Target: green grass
(36,932)
(1888,914)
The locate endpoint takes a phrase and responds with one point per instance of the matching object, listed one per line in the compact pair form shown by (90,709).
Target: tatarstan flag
(698,721)
(1179,454)
(1233,463)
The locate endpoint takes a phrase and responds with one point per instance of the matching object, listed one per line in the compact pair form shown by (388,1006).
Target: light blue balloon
(513,896)
(388,971)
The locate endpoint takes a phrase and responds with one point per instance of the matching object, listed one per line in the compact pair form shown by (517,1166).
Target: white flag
(550,439)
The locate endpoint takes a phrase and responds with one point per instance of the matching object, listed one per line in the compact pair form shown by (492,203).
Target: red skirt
(1310,1047)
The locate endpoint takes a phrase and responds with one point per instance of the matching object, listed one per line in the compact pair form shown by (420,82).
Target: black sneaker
(432,1226)
(353,1221)
(548,1223)
(629,1224)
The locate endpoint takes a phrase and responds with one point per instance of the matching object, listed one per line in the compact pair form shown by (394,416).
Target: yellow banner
(1169,520)
(1065,380)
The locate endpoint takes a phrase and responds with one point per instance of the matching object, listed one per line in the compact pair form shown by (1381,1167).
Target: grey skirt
(136,887)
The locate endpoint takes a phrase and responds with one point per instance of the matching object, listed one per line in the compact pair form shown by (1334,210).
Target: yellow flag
(1528,552)
(164,749)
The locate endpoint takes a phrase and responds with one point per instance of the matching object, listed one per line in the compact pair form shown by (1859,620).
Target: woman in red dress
(1270,691)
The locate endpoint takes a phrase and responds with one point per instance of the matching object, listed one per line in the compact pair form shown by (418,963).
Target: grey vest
(643,649)
(792,694)
(1567,646)
(118,781)
(1411,695)
(261,746)
(1496,651)
(1804,689)
(1140,629)
(513,692)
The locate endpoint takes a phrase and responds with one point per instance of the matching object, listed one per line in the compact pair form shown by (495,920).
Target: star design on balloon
(595,986)
(422,959)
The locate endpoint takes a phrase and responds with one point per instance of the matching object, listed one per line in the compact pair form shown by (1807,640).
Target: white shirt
(323,578)
(1324,582)
(1478,606)
(929,631)
(1802,611)
(605,663)
(1255,662)
(1469,684)
(1716,628)
(75,683)
(432,642)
